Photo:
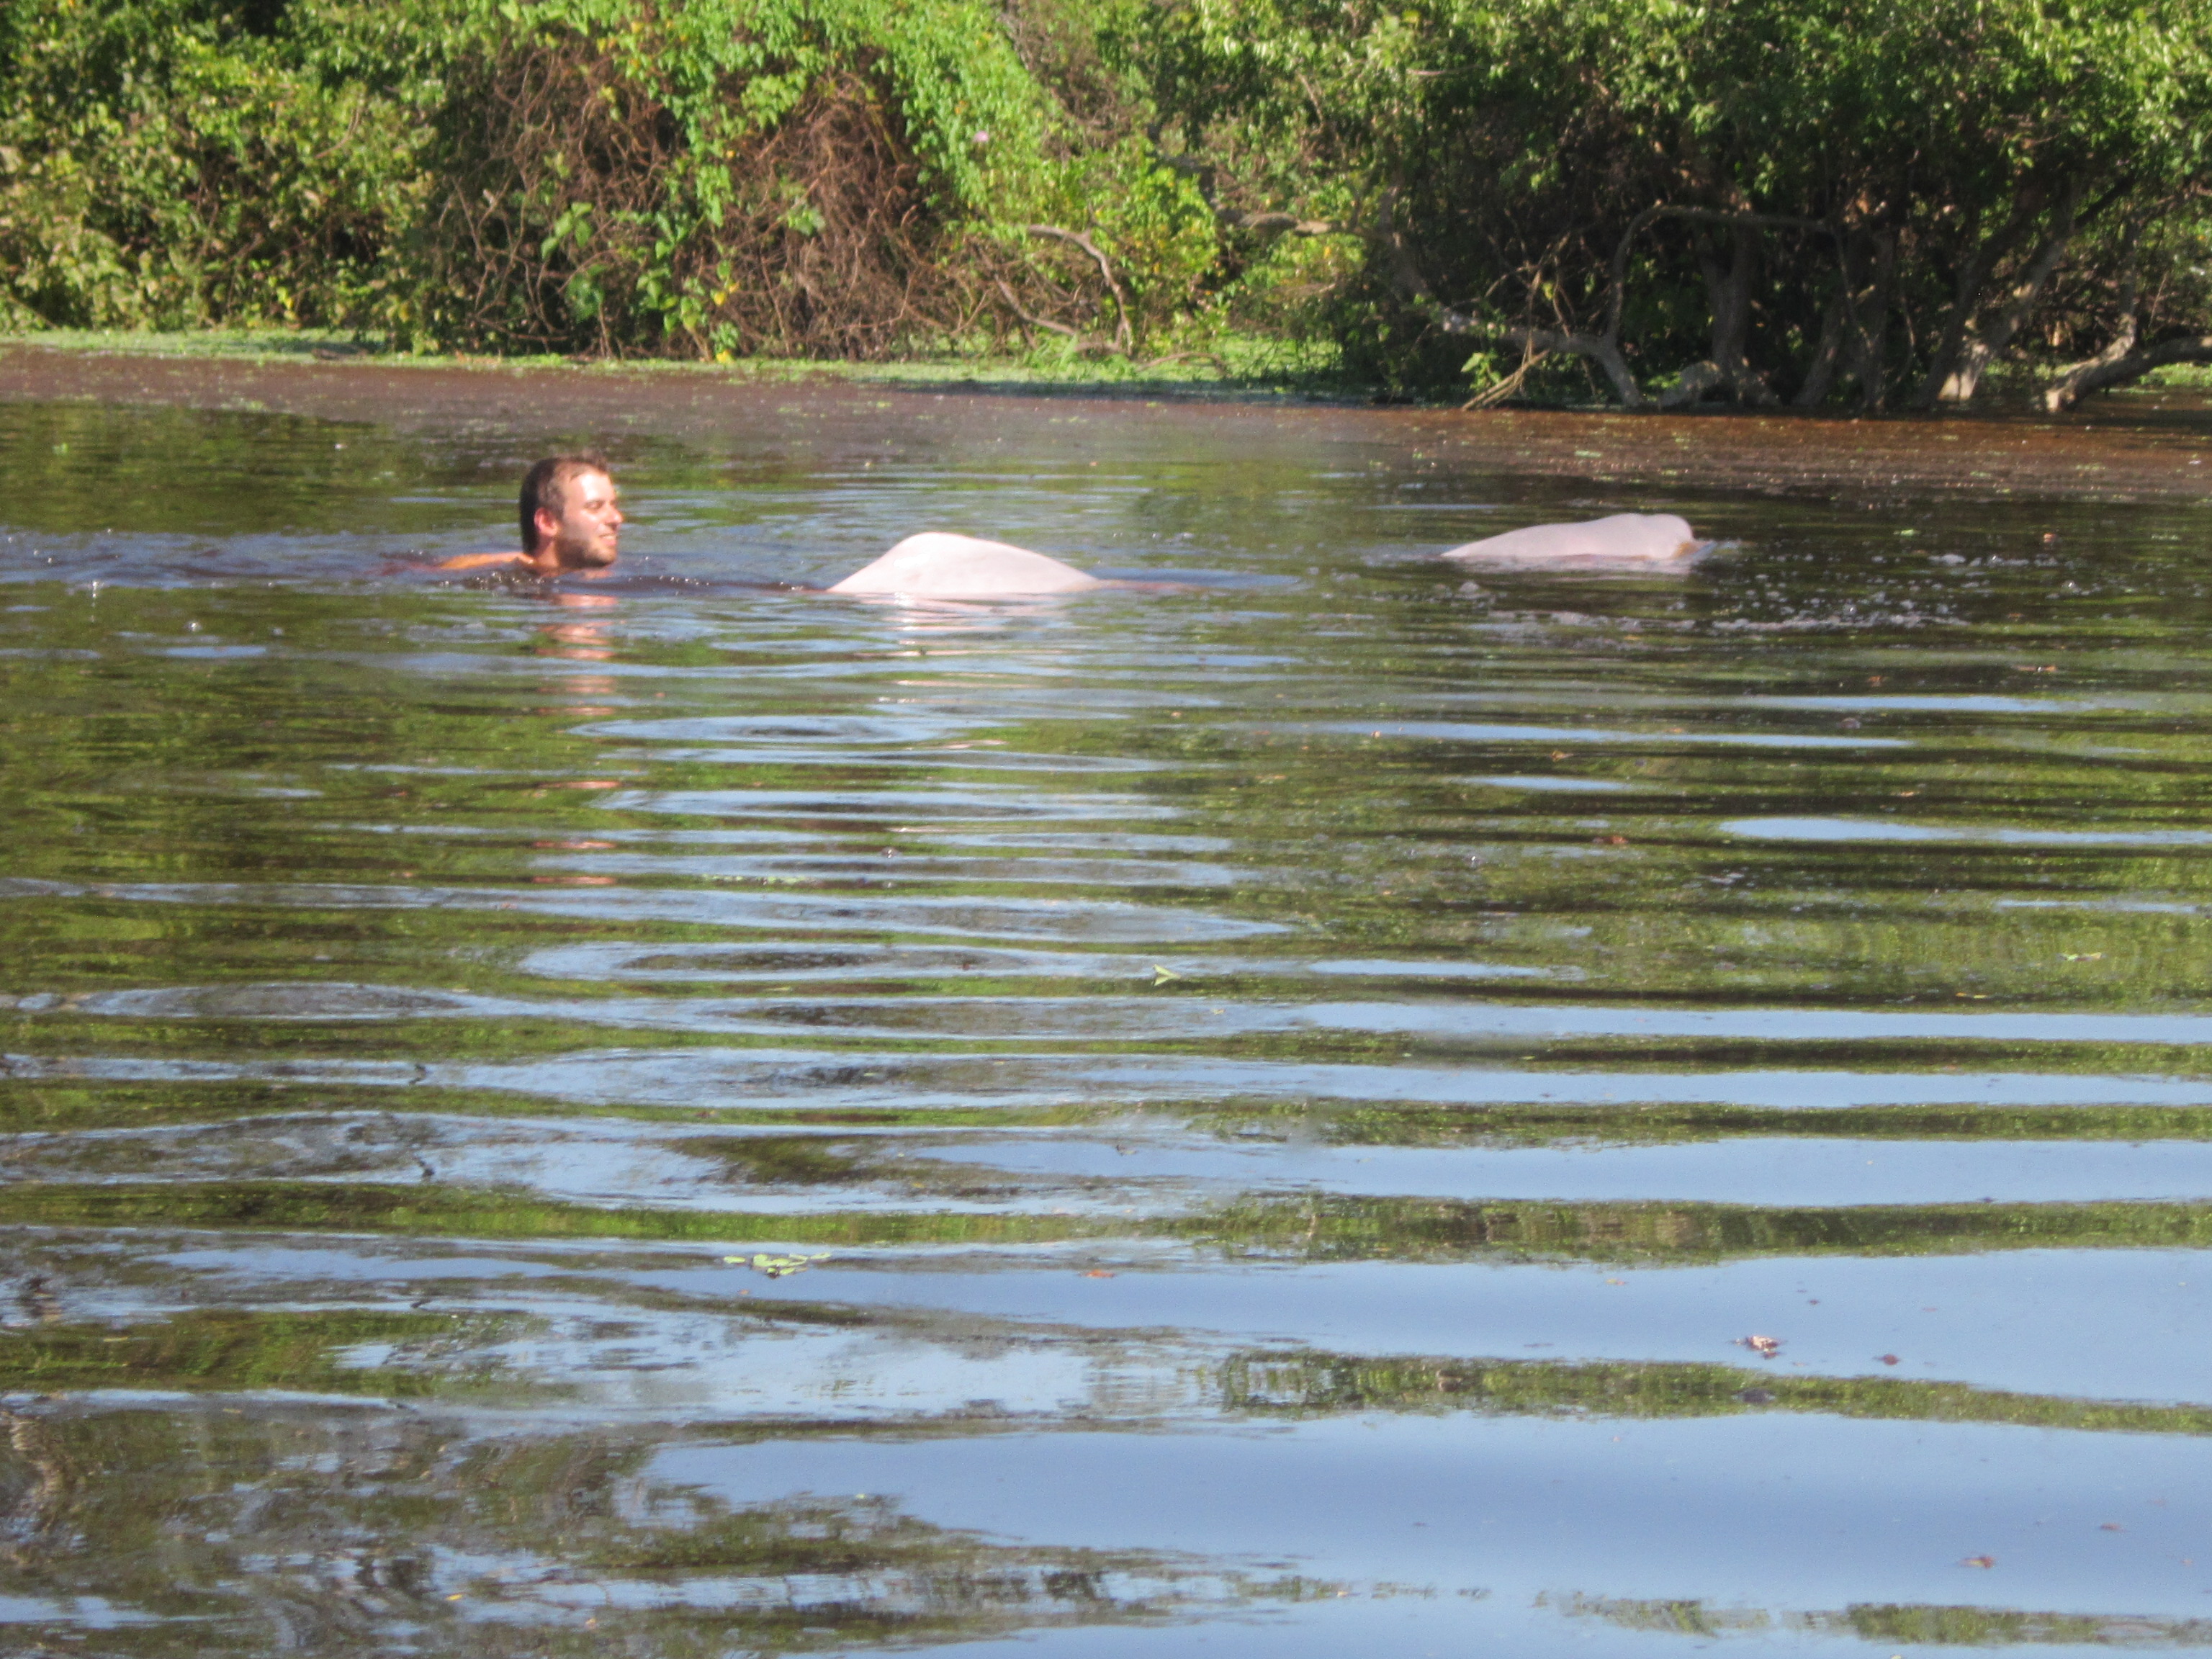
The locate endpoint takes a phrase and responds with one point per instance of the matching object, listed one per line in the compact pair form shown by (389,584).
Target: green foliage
(1317,1382)
(1151,221)
(1495,156)
(176,161)
(1327,1229)
(1758,199)
(716,176)
(578,173)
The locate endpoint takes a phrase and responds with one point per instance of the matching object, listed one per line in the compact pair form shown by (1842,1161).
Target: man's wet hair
(546,485)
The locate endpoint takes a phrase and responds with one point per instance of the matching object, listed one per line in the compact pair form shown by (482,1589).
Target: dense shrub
(720,176)
(168,161)
(1874,201)
(1756,198)
(697,176)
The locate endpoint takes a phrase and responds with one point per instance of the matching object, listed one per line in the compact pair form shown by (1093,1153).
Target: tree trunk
(2115,365)
(1729,288)
(1966,293)
(1820,374)
(1866,336)
(1693,383)
(1988,337)
(1728,293)
(1405,270)
(2119,362)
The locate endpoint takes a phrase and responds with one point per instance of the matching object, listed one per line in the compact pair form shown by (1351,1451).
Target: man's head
(571,513)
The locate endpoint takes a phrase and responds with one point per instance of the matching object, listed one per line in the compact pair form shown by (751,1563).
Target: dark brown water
(1259,1117)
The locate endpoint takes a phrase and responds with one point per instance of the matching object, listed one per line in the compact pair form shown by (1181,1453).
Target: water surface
(681,1116)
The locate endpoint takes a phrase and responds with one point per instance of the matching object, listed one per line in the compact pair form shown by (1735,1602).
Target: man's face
(584,533)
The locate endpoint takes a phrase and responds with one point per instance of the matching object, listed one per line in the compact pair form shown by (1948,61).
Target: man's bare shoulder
(478,561)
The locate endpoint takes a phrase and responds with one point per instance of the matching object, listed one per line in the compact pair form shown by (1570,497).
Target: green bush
(695,176)
(166,162)
(714,177)
(1154,227)
(1810,197)
(1879,201)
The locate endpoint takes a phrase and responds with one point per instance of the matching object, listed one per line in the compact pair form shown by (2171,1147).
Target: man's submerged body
(571,521)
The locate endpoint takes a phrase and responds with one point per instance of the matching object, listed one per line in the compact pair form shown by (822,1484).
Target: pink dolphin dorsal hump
(938,566)
(1626,537)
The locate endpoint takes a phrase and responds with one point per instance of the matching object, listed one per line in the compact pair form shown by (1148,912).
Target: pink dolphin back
(936,565)
(1624,539)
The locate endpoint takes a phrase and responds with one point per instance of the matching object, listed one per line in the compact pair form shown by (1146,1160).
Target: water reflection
(696,1118)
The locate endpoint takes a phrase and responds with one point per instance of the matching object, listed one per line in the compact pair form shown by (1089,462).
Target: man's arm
(478,561)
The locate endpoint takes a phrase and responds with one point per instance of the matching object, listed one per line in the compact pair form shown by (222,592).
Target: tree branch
(1951,338)
(1015,306)
(1406,271)
(1604,349)
(1076,238)
(1695,216)
(1954,381)
(2118,364)
(1604,352)
(1284,223)
(1498,391)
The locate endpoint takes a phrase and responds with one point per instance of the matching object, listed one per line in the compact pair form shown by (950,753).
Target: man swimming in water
(571,516)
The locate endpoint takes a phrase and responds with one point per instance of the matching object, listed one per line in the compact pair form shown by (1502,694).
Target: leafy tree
(695,176)
(170,161)
(1767,199)
(1760,200)
(719,176)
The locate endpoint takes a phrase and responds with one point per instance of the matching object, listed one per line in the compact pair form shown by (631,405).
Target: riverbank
(2153,444)
(1236,366)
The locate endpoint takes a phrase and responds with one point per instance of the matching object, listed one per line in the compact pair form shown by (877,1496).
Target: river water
(1331,1103)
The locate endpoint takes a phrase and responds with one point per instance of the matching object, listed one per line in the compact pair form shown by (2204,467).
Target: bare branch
(1015,306)
(1951,338)
(1406,271)
(1603,348)
(1284,223)
(1076,238)
(1498,391)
